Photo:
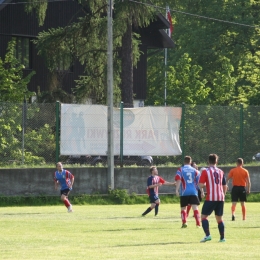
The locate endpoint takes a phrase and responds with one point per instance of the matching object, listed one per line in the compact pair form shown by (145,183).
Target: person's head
(59,166)
(194,165)
(187,160)
(153,170)
(213,159)
(240,161)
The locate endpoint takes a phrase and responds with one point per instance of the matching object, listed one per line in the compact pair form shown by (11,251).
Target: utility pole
(110,103)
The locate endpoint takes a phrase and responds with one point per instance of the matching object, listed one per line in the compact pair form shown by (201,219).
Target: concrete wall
(34,182)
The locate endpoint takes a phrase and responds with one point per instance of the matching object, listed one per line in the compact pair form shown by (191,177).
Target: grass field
(118,232)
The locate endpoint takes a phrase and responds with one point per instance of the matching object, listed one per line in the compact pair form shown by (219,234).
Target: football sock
(66,202)
(221,229)
(183,216)
(156,209)
(188,210)
(197,217)
(147,211)
(205,225)
(233,209)
(244,212)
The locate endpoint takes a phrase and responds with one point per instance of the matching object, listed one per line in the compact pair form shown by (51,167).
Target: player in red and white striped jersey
(214,180)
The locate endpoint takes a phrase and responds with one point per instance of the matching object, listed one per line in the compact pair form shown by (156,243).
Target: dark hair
(152,168)
(213,158)
(240,161)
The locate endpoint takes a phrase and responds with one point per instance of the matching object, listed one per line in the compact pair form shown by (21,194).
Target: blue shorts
(210,206)
(153,198)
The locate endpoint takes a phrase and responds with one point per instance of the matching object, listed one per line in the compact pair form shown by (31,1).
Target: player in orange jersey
(241,186)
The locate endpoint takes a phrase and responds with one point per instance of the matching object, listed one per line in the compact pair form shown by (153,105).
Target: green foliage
(13,87)
(31,142)
(223,56)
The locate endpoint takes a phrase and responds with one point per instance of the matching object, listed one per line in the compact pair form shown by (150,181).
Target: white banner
(146,131)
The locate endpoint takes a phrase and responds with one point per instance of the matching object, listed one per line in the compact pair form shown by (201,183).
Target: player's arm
(178,184)
(56,183)
(155,185)
(169,183)
(248,184)
(72,179)
(224,185)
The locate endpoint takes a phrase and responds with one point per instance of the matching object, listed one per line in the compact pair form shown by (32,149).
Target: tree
(86,40)
(13,86)
(227,53)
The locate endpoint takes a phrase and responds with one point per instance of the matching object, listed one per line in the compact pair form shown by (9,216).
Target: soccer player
(65,179)
(153,182)
(241,186)
(186,182)
(215,181)
(194,165)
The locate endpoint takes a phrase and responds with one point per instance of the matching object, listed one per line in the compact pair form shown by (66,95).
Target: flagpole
(165,76)
(165,63)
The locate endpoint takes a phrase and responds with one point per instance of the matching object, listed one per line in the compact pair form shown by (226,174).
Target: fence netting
(28,136)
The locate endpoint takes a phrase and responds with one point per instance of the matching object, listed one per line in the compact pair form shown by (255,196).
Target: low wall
(39,181)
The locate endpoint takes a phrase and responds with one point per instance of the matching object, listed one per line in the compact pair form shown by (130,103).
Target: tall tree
(86,40)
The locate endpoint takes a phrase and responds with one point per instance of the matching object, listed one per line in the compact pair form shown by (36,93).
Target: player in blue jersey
(194,165)
(186,188)
(153,182)
(65,180)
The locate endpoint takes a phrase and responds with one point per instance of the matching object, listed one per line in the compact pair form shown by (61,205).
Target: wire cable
(196,15)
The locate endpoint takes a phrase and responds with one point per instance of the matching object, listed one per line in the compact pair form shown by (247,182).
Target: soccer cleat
(205,239)
(198,226)
(70,209)
(184,225)
(222,240)
(233,218)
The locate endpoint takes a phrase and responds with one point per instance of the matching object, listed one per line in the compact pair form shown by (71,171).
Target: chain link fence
(28,135)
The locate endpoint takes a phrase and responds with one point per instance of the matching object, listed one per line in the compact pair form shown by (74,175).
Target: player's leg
(64,198)
(218,215)
(207,209)
(242,199)
(234,199)
(184,203)
(188,209)
(156,208)
(194,202)
(243,206)
(153,200)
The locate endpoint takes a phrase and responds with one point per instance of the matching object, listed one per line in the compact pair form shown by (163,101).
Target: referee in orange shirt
(241,186)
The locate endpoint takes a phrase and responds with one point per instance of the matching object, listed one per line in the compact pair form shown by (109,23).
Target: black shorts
(65,192)
(210,206)
(238,193)
(191,199)
(153,198)
(199,195)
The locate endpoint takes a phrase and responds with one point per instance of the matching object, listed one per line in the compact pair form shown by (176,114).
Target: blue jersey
(188,177)
(64,178)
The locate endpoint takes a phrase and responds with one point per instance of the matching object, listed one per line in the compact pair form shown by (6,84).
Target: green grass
(118,232)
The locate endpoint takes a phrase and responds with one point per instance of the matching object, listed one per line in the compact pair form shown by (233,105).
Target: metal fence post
(57,135)
(241,152)
(183,131)
(121,132)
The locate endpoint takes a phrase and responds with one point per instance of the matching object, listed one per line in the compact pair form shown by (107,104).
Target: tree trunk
(127,68)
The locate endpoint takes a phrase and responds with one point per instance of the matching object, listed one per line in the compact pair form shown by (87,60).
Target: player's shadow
(156,244)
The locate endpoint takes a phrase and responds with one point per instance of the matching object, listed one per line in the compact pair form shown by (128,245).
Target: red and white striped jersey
(215,180)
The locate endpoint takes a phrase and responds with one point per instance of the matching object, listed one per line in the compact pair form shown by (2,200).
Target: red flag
(170,21)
